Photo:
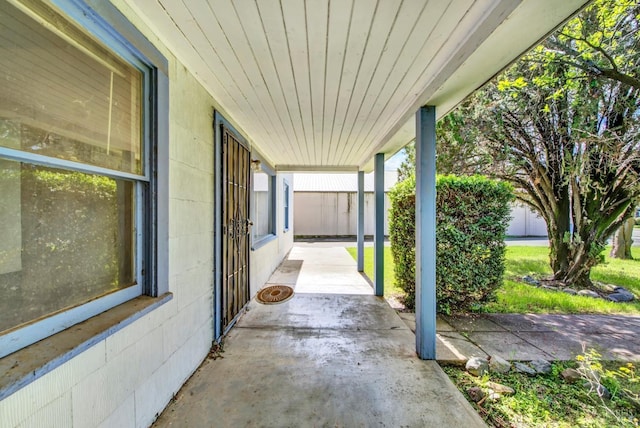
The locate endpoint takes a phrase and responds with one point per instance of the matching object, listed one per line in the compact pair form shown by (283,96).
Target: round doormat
(274,294)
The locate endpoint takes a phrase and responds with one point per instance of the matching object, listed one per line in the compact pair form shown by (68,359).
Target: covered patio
(341,86)
(320,359)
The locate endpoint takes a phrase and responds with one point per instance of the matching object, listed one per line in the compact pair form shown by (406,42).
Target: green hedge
(472,215)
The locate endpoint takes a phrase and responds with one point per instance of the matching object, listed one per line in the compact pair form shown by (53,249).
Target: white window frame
(116,33)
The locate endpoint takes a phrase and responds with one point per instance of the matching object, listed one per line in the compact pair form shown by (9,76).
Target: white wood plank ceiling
(327,84)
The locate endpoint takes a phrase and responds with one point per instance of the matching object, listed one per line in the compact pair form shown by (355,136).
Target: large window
(262,206)
(74,173)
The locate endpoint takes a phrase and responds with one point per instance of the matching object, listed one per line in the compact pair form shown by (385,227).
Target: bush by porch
(471,220)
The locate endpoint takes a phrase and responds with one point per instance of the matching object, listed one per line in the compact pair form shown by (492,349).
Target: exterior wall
(334,213)
(129,377)
(263,259)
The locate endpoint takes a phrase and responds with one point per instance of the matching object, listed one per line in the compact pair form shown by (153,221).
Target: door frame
(218,122)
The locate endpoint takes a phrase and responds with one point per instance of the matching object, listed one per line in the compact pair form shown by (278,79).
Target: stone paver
(528,337)
(508,346)
(473,323)
(455,349)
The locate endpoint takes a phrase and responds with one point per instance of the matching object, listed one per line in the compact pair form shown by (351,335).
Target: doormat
(274,294)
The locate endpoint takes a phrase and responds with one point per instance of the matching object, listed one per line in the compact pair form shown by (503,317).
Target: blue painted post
(378,244)
(426,233)
(360,221)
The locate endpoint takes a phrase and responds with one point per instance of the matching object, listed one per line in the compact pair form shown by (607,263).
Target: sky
(394,161)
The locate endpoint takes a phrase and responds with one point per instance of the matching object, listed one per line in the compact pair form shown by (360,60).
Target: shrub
(472,214)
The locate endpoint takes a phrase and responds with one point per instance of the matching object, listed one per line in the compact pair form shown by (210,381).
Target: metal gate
(235,226)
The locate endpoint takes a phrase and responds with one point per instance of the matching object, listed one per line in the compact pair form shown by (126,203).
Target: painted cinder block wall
(127,379)
(266,258)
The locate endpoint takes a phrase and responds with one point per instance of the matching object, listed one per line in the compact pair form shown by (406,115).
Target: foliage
(457,151)
(604,42)
(618,381)
(547,400)
(562,126)
(408,166)
(471,220)
(403,237)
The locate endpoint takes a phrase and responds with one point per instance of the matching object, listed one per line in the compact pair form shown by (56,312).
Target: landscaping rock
(498,364)
(550,287)
(603,392)
(530,280)
(477,366)
(523,368)
(599,389)
(541,366)
(571,375)
(570,291)
(621,294)
(493,396)
(500,389)
(588,293)
(475,393)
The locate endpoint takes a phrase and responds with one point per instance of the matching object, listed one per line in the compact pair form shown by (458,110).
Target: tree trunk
(622,241)
(558,226)
(578,276)
(571,260)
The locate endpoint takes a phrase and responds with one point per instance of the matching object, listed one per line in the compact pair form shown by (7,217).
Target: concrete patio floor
(343,359)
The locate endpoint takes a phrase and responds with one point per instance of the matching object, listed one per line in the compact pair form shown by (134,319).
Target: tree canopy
(562,125)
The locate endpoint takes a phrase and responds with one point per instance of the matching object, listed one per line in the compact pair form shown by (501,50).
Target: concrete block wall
(263,262)
(127,379)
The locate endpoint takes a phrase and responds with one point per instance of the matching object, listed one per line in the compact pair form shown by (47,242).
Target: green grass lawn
(516,297)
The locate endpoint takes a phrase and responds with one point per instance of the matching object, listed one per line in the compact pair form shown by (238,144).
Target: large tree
(562,125)
(604,45)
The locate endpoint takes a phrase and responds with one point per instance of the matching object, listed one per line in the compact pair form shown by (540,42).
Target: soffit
(324,85)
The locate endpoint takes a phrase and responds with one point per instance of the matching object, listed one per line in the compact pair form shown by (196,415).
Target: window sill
(263,241)
(28,364)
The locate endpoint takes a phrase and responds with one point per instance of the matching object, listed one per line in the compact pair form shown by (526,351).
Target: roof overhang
(325,85)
